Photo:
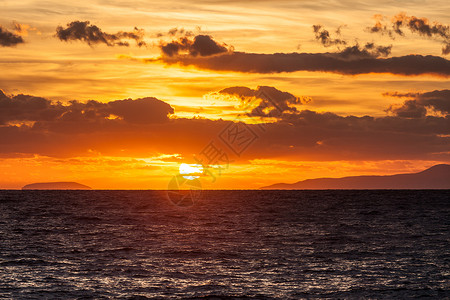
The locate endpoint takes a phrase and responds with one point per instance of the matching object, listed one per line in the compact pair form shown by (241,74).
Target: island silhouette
(436,177)
(56,186)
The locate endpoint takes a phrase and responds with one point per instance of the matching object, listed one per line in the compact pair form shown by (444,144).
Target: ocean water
(228,245)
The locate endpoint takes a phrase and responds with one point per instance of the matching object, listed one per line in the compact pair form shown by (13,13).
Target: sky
(128,94)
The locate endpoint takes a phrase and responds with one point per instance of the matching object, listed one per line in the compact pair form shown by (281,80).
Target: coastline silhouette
(436,177)
(56,186)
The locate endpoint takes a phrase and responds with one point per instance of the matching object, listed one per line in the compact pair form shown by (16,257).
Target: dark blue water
(243,244)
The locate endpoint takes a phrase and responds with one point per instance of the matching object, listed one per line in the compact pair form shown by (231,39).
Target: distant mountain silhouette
(56,186)
(436,177)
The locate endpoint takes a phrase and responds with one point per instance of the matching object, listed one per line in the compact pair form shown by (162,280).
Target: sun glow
(191,171)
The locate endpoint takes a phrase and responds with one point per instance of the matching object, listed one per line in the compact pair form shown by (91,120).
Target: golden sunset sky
(119,94)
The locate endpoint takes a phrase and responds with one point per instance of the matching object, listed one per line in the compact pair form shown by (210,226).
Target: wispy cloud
(369,50)
(24,29)
(420,26)
(323,36)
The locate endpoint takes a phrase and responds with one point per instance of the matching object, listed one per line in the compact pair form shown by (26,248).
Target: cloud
(314,135)
(200,45)
(91,34)
(25,108)
(271,102)
(409,109)
(322,62)
(378,27)
(323,36)
(23,29)
(421,103)
(205,53)
(176,32)
(446,49)
(140,111)
(369,50)
(420,26)
(140,127)
(9,39)
(416,25)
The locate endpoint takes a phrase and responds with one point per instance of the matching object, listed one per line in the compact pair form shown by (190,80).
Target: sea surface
(227,245)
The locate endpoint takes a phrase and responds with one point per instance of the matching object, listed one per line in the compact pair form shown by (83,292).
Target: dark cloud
(204,45)
(174,47)
(27,108)
(369,50)
(323,62)
(420,26)
(142,126)
(9,39)
(314,135)
(323,36)
(416,25)
(437,101)
(446,49)
(200,45)
(409,109)
(271,101)
(145,110)
(205,53)
(91,34)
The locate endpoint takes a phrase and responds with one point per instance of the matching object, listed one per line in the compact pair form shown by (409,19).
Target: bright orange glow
(353,125)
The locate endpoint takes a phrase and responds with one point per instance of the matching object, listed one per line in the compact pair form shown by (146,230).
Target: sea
(240,244)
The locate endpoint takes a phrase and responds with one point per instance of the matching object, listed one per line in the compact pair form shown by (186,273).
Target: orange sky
(118,95)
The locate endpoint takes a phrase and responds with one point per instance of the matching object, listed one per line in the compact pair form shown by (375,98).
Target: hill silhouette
(436,177)
(56,186)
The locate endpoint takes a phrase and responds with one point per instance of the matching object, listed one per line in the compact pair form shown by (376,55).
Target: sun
(191,171)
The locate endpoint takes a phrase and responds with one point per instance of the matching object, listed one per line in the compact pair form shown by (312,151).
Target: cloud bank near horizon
(36,125)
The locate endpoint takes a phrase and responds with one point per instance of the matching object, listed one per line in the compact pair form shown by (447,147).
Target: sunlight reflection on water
(267,244)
